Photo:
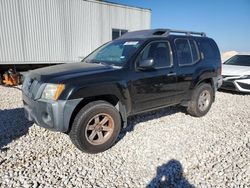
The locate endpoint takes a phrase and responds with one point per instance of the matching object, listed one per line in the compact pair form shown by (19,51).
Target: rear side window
(195,52)
(183,52)
(209,50)
(187,52)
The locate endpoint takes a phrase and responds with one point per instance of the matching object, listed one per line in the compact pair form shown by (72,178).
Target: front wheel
(96,127)
(201,101)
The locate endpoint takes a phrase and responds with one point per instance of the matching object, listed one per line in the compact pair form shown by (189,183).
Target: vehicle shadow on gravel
(13,125)
(169,175)
(147,116)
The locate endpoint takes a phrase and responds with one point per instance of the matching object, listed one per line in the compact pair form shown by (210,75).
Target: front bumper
(241,85)
(218,81)
(53,115)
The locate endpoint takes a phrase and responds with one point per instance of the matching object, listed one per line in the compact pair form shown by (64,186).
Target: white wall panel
(34,25)
(10,32)
(44,31)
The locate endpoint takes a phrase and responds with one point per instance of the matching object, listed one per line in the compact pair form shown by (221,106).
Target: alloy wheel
(99,129)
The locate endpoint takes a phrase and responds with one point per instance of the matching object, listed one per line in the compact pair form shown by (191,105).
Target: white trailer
(38,32)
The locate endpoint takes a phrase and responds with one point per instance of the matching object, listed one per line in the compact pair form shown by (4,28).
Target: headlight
(52,91)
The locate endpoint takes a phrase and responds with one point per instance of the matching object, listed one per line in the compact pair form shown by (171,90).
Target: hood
(234,70)
(67,71)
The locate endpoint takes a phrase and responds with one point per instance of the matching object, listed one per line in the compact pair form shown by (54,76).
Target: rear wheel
(201,100)
(96,127)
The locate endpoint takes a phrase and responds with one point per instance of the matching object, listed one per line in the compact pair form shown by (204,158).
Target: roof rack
(159,32)
(169,31)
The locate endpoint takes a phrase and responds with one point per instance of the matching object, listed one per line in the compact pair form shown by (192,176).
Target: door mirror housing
(146,64)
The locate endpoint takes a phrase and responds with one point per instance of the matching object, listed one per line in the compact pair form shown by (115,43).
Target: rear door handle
(171,74)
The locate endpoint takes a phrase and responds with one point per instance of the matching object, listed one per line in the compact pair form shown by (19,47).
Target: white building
(59,31)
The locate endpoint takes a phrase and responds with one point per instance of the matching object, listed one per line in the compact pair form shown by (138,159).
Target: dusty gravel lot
(162,148)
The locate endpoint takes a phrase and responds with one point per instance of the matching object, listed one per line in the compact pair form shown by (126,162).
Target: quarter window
(209,51)
(159,52)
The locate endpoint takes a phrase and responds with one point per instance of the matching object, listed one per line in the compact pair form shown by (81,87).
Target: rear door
(154,88)
(188,56)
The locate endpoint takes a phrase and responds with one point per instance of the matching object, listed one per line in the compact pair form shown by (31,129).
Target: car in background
(236,74)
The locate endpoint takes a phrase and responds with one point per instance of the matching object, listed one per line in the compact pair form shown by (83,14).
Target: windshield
(240,60)
(114,53)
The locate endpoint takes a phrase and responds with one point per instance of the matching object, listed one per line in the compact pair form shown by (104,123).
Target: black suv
(138,72)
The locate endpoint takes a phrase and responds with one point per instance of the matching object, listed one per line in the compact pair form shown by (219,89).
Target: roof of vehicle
(160,33)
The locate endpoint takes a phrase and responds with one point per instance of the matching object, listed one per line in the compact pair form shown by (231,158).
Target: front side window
(114,53)
(159,52)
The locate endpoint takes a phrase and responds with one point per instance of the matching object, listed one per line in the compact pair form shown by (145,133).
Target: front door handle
(171,74)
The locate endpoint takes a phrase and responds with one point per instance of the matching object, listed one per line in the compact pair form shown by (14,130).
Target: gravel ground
(165,148)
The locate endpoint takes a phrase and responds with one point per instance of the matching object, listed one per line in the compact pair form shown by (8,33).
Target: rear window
(240,60)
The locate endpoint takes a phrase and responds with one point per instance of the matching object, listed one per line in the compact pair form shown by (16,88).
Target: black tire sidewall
(82,120)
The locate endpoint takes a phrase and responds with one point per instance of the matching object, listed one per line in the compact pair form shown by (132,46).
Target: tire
(201,100)
(89,133)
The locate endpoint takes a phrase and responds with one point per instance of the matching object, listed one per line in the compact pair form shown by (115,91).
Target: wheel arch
(110,98)
(208,80)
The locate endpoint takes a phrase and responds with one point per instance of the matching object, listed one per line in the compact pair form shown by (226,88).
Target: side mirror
(146,64)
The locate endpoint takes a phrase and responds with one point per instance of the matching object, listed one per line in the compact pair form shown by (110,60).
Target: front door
(155,87)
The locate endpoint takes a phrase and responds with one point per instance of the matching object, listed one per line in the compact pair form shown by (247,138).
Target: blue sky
(226,21)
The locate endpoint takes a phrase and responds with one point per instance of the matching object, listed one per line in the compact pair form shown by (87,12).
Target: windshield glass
(114,53)
(240,60)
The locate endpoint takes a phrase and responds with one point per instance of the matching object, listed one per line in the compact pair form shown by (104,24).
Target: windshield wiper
(103,63)
(97,62)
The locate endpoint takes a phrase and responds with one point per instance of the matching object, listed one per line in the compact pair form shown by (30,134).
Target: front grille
(243,85)
(228,85)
